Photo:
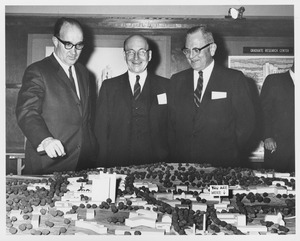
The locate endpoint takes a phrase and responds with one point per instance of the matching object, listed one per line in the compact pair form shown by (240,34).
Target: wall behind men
(230,35)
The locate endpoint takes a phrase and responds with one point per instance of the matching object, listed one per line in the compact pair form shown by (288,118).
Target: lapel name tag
(218,95)
(162,99)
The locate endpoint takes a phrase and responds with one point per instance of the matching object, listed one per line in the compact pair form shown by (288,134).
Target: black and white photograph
(166,118)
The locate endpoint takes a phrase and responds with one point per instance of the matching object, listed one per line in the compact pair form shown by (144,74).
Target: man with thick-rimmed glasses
(211,116)
(53,107)
(131,112)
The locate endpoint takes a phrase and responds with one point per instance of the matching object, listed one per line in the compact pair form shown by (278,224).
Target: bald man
(131,115)
(53,107)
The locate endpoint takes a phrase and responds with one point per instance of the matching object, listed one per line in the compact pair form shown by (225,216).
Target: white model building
(182,187)
(161,196)
(184,196)
(253,229)
(199,206)
(233,218)
(220,206)
(208,197)
(98,228)
(277,219)
(150,186)
(35,220)
(141,220)
(103,187)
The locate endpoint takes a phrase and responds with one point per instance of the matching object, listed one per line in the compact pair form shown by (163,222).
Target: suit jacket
(114,120)
(48,106)
(277,101)
(220,127)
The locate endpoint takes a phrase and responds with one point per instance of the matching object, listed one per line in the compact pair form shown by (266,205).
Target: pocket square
(162,99)
(218,95)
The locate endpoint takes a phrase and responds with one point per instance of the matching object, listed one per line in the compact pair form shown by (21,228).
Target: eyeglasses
(195,51)
(68,45)
(131,53)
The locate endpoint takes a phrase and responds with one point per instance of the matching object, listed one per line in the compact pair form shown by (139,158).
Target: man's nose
(192,54)
(73,50)
(136,55)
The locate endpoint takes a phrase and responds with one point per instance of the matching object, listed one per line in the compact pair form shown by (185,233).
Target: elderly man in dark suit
(131,115)
(53,107)
(278,106)
(211,115)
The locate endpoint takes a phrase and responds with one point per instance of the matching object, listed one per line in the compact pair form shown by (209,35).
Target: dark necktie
(72,79)
(137,88)
(198,91)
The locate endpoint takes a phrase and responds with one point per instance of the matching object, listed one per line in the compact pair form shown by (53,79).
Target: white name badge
(218,95)
(162,99)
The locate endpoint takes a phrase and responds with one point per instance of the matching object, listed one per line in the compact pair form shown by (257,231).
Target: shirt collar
(132,79)
(292,74)
(207,71)
(63,65)
(142,75)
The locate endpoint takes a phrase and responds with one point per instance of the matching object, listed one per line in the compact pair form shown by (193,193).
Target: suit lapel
(210,87)
(188,93)
(289,78)
(201,116)
(125,90)
(65,81)
(83,91)
(154,89)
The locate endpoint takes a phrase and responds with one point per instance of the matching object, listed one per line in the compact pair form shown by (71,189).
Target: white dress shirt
(132,79)
(66,69)
(206,75)
(292,74)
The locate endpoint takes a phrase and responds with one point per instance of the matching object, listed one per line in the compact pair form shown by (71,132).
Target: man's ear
(212,49)
(54,41)
(149,55)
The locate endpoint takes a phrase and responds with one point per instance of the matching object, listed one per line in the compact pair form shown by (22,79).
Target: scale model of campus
(102,188)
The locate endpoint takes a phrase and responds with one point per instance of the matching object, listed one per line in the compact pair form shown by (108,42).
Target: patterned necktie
(198,91)
(137,88)
(72,79)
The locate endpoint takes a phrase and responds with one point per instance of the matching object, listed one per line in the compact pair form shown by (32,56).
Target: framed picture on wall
(258,68)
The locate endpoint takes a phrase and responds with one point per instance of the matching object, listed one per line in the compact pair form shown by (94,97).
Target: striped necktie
(137,88)
(71,78)
(198,91)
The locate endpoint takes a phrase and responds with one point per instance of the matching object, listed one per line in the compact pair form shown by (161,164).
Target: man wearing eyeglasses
(211,115)
(53,107)
(131,112)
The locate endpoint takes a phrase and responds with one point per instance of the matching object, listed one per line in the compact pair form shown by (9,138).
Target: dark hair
(207,34)
(135,35)
(61,21)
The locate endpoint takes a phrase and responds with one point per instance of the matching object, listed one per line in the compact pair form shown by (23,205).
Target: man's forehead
(136,42)
(68,28)
(197,35)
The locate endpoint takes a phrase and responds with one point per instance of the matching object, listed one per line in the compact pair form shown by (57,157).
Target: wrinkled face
(201,60)
(136,54)
(72,34)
